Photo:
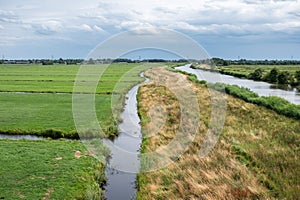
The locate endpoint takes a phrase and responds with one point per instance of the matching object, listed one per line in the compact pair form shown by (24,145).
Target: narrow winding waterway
(124,163)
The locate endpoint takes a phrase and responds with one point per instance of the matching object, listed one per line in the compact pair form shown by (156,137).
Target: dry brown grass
(256,157)
(162,111)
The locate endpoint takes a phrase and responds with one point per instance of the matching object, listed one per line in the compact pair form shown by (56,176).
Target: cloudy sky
(252,29)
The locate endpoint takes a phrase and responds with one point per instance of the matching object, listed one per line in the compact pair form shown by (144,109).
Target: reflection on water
(261,88)
(283,87)
(19,137)
(124,163)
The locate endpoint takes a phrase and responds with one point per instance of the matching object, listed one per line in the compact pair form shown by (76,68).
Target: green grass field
(33,112)
(48,169)
(61,78)
(35,99)
(39,97)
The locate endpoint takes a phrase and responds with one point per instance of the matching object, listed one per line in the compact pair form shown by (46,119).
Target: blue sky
(251,29)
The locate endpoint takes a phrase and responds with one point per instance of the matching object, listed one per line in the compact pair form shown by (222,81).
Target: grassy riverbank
(256,157)
(246,70)
(279,75)
(284,77)
(277,104)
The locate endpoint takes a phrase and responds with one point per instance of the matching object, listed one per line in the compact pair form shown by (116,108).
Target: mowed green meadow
(35,99)
(61,78)
(48,169)
(34,112)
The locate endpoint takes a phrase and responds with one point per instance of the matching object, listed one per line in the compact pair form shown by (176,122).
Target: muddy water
(261,88)
(124,163)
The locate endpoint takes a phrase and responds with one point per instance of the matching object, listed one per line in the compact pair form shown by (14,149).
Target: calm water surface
(124,163)
(19,137)
(261,88)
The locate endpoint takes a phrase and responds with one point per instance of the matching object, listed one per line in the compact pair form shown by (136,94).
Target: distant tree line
(222,62)
(213,61)
(276,77)
(88,61)
(44,61)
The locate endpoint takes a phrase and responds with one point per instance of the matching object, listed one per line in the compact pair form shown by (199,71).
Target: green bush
(193,78)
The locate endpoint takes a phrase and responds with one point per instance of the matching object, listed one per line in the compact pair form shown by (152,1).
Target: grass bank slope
(256,156)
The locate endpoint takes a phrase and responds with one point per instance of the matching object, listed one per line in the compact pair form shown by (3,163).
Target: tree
(61,61)
(256,75)
(283,77)
(297,76)
(47,62)
(91,61)
(272,77)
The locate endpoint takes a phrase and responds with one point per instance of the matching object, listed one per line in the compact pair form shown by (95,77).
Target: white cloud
(48,27)
(9,16)
(89,28)
(190,15)
(289,27)
(128,25)
(98,28)
(74,19)
(85,27)
(200,16)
